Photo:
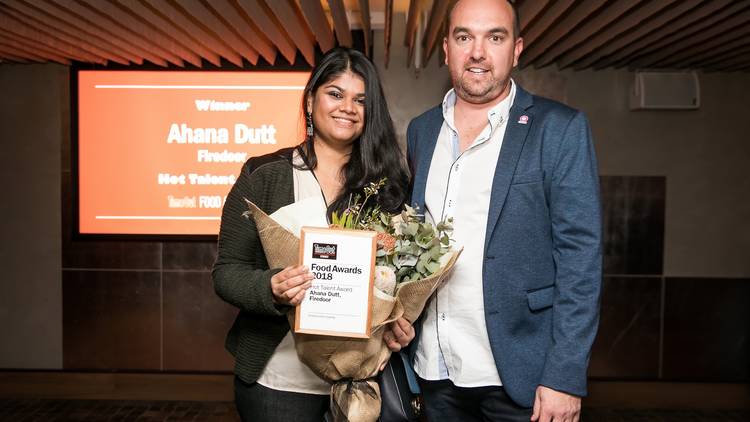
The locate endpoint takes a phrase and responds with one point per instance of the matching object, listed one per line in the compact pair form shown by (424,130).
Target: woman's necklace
(335,181)
(330,184)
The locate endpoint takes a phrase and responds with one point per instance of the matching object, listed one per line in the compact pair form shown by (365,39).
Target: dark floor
(110,410)
(625,415)
(106,410)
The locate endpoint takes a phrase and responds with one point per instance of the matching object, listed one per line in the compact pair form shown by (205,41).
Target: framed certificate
(339,301)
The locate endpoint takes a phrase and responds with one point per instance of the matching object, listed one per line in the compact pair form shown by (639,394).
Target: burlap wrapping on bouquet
(349,364)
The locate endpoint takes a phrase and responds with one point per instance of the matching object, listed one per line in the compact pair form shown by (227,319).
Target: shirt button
(456,168)
(442,316)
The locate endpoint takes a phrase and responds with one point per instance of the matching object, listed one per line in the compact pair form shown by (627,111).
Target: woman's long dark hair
(375,154)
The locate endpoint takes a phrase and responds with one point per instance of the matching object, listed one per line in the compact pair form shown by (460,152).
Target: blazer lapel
(520,120)
(426,148)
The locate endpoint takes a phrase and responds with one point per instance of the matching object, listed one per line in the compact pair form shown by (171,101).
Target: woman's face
(338,109)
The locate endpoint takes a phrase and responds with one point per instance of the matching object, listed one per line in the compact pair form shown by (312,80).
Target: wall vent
(665,91)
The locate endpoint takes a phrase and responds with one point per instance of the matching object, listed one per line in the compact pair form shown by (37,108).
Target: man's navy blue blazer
(542,257)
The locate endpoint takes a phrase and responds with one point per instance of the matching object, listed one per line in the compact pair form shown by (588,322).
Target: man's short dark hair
(516,19)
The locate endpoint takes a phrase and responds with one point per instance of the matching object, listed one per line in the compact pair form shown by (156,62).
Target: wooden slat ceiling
(709,35)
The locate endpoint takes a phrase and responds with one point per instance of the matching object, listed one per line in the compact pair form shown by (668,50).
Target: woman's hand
(288,286)
(398,334)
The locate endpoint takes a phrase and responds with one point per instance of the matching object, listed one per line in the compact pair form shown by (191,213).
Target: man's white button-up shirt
(453,342)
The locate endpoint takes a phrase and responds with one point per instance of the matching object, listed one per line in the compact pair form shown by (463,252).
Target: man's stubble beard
(478,93)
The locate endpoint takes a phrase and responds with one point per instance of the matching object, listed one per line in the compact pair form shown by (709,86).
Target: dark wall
(654,326)
(32,100)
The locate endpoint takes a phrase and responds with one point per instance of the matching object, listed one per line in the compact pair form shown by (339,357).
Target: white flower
(396,221)
(385,279)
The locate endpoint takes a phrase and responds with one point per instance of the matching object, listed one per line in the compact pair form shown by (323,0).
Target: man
(508,336)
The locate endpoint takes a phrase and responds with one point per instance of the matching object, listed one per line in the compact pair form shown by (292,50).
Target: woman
(350,142)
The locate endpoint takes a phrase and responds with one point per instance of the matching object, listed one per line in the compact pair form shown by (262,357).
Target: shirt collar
(496,115)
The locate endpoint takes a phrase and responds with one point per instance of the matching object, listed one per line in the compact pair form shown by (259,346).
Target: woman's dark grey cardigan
(241,275)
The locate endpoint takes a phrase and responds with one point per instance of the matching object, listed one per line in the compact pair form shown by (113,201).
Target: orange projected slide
(159,151)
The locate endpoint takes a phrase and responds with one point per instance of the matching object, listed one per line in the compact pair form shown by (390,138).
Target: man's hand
(555,406)
(397,336)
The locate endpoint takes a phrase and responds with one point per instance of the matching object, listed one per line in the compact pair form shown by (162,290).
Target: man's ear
(517,50)
(445,49)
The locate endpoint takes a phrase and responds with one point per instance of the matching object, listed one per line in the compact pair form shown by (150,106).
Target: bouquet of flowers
(412,259)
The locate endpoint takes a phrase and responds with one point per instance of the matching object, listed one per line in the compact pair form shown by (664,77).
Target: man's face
(480,50)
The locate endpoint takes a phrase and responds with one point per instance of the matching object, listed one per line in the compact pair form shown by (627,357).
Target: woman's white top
(284,371)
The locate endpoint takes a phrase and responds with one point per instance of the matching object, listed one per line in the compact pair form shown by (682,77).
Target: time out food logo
(324,250)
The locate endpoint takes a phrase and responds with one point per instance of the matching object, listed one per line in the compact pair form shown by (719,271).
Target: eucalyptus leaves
(409,248)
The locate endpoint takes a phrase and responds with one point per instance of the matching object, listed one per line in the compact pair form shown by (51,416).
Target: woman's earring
(309,124)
